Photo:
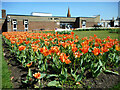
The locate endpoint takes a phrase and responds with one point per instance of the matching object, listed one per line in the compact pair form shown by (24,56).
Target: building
(41,21)
(110,23)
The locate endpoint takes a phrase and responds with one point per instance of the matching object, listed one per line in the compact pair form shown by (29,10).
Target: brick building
(11,22)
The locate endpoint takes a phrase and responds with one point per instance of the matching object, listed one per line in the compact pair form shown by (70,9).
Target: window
(14,24)
(25,25)
(83,23)
(56,18)
(49,18)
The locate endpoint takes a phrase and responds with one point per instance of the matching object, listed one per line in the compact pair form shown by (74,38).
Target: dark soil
(104,80)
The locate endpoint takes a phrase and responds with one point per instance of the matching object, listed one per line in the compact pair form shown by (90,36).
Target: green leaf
(42,75)
(95,64)
(42,68)
(108,71)
(74,73)
(35,86)
(81,62)
(53,83)
(65,73)
(98,68)
(30,73)
(97,71)
(26,81)
(54,59)
(79,77)
(52,75)
(100,63)
(41,56)
(62,77)
(37,53)
(40,61)
(31,58)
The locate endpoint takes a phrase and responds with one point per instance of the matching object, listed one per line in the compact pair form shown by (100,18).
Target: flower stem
(39,83)
(74,63)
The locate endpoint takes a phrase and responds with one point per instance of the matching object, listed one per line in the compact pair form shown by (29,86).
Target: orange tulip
(96,44)
(54,49)
(47,43)
(76,36)
(37,75)
(34,47)
(45,51)
(29,64)
(95,35)
(21,47)
(96,51)
(65,44)
(76,40)
(103,49)
(117,47)
(63,57)
(74,49)
(67,61)
(12,42)
(77,54)
(84,49)
(72,33)
(85,38)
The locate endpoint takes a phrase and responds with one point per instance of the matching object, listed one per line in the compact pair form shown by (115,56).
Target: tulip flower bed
(62,60)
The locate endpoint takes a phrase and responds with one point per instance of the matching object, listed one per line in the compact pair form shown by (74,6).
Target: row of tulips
(63,56)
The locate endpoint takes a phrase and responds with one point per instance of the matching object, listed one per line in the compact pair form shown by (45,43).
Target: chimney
(3,13)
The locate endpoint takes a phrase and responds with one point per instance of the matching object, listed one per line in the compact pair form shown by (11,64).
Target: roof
(41,12)
(49,16)
(38,16)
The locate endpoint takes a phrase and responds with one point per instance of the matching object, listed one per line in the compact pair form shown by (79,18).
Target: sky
(106,10)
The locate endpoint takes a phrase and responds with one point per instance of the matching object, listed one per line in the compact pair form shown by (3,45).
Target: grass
(116,87)
(6,83)
(100,34)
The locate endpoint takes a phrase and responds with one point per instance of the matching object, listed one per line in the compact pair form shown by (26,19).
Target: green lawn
(116,87)
(6,83)
(100,34)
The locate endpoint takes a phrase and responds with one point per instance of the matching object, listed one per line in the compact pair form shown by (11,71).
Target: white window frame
(14,22)
(25,22)
(83,23)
